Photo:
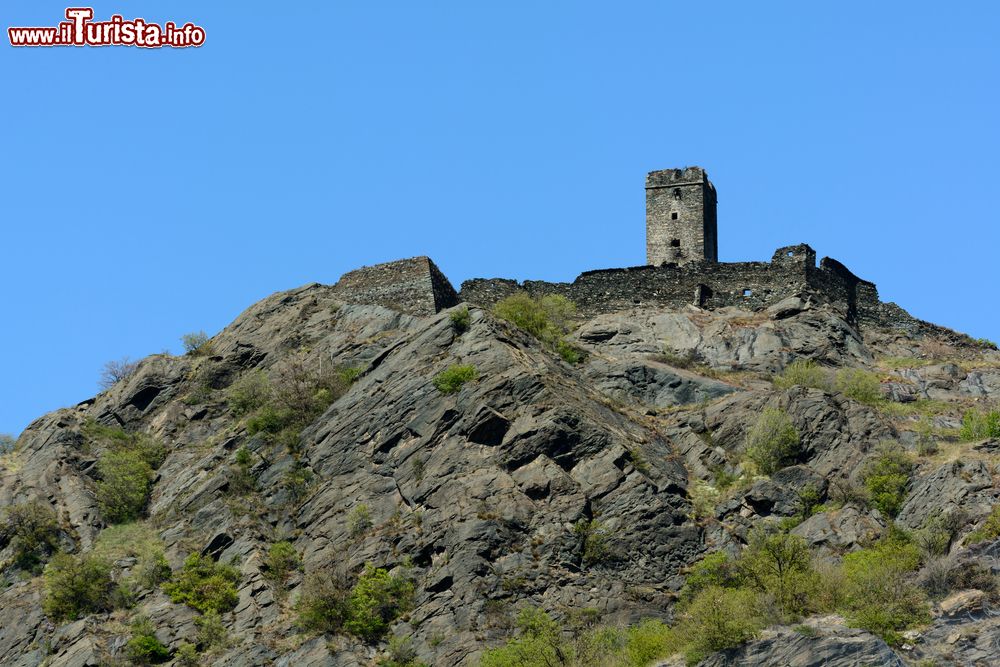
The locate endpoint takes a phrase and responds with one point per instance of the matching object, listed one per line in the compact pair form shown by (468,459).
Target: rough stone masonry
(682,269)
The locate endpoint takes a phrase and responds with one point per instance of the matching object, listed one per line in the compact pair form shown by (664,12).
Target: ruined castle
(681,269)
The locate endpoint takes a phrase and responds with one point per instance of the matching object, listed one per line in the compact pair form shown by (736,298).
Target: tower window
(673,216)
(675,243)
(677,193)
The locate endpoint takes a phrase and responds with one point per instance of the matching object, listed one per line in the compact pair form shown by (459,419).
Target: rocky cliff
(575,488)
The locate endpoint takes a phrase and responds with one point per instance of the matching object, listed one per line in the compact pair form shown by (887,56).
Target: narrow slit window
(674,215)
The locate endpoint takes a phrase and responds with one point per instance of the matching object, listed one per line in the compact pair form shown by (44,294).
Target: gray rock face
(486,497)
(843,647)
(731,338)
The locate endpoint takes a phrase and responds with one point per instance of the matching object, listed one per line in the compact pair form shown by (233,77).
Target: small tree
(197,344)
(33,532)
(76,586)
(772,442)
(124,486)
(116,371)
(887,478)
(7,443)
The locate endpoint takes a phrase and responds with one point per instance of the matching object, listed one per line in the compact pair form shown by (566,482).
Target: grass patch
(450,380)
(547,318)
(772,442)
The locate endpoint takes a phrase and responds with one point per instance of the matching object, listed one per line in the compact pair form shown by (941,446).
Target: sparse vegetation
(980,425)
(887,478)
(359,521)
(124,485)
(204,585)
(772,442)
(117,371)
(7,443)
(452,378)
(298,392)
(241,479)
(804,373)
(547,318)
(881,595)
(541,642)
(197,344)
(366,609)
(596,543)
(861,385)
(460,319)
(32,531)
(76,586)
(143,648)
(249,392)
(990,530)
(282,560)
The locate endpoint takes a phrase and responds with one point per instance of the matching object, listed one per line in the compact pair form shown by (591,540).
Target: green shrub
(451,379)
(187,655)
(322,606)
(250,392)
(282,560)
(124,485)
(143,648)
(804,373)
(862,386)
(376,601)
(401,654)
(887,478)
(212,632)
(596,548)
(460,320)
(547,318)
(7,443)
(715,569)
(541,642)
(330,604)
(241,479)
(197,344)
(33,533)
(978,425)
(76,586)
(298,392)
(204,585)
(717,619)
(881,595)
(297,481)
(110,438)
(778,564)
(990,530)
(359,521)
(772,442)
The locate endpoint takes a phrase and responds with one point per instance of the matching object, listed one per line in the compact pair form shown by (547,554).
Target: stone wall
(749,285)
(415,286)
(681,218)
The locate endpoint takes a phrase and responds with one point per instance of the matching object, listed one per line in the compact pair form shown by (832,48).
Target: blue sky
(150,193)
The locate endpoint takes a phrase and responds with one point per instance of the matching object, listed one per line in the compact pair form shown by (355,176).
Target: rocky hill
(325,483)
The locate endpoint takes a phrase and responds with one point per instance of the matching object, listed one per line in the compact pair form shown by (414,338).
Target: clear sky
(150,193)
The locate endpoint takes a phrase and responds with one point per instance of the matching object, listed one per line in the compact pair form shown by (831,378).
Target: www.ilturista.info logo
(81,30)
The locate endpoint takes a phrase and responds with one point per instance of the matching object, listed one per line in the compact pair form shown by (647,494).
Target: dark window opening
(747,292)
(673,216)
(677,193)
(675,243)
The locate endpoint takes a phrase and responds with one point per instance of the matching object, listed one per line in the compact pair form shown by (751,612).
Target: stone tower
(680,217)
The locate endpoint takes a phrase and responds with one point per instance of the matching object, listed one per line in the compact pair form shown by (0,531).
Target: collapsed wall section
(415,286)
